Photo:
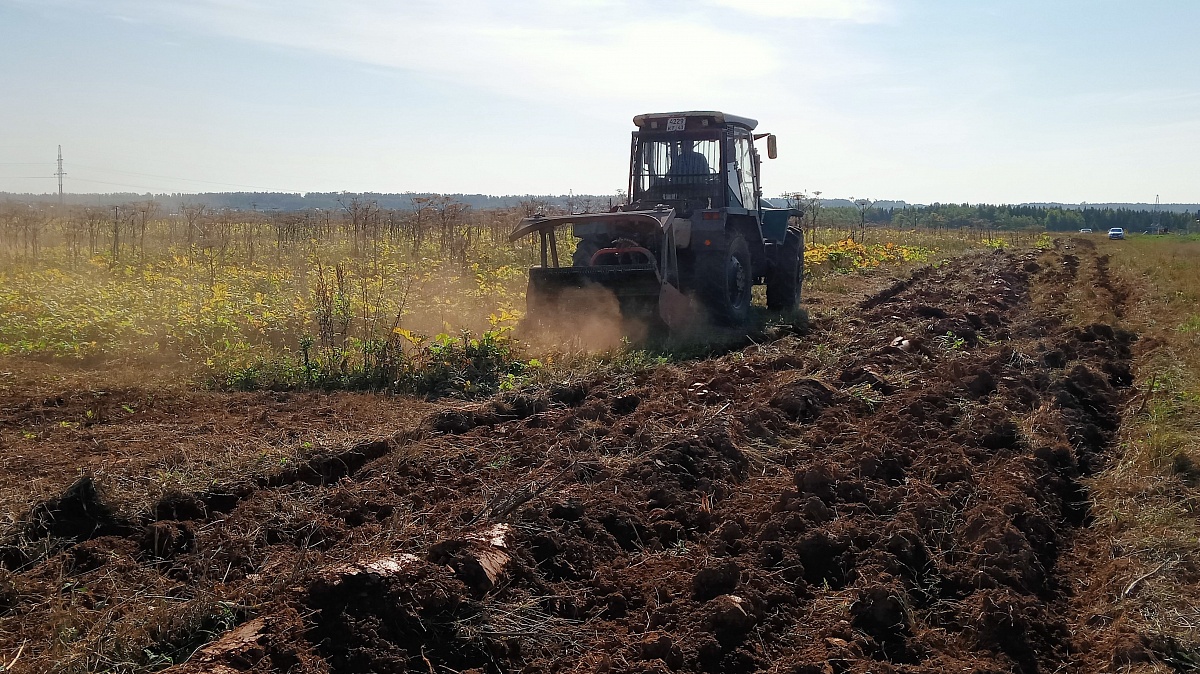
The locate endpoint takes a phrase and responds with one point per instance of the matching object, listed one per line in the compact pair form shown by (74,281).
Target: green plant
(952,341)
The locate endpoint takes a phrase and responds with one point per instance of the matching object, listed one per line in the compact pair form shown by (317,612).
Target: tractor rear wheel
(783,287)
(724,280)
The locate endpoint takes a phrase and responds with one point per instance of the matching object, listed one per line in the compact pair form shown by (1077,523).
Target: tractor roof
(643,121)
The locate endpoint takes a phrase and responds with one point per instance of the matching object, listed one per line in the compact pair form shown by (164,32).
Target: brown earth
(891,491)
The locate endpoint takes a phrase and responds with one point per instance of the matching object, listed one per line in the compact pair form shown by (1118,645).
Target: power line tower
(60,175)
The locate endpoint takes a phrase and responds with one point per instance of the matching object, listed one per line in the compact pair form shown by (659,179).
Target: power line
(103,182)
(187,180)
(59,173)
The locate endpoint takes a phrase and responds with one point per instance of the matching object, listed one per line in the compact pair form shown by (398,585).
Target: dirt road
(892,491)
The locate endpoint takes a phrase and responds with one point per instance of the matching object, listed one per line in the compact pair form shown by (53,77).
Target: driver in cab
(689,165)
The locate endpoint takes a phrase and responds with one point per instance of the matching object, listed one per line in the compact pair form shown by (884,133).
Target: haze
(918,100)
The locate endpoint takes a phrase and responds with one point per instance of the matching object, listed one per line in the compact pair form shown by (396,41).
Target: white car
(1085,230)
(1116,233)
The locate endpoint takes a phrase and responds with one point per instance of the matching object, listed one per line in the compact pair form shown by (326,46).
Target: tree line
(443,227)
(1012,217)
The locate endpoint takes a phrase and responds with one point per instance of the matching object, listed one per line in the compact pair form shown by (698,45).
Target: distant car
(1116,233)
(1085,230)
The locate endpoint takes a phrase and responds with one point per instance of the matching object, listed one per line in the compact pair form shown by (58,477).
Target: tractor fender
(709,232)
(709,225)
(748,226)
(683,232)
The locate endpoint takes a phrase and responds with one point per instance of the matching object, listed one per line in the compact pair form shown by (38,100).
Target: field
(976,455)
(363,299)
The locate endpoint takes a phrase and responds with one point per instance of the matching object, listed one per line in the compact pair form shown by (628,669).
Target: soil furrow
(890,492)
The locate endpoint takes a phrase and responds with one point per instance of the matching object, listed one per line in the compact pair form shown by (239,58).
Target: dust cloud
(582,319)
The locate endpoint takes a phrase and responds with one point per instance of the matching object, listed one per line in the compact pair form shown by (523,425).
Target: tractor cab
(695,161)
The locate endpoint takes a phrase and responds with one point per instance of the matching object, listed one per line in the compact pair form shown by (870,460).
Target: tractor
(692,238)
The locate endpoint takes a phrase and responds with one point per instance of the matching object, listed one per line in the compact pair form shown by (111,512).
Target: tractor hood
(652,220)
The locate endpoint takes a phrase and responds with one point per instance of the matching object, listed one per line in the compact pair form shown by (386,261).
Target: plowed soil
(890,491)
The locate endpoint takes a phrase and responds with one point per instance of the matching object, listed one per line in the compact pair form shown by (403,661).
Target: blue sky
(921,100)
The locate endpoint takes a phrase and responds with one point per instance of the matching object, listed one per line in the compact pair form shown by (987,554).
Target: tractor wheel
(724,280)
(783,287)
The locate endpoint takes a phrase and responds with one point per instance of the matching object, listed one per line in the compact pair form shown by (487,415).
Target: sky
(917,100)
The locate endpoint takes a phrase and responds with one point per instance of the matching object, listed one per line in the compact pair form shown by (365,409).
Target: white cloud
(579,49)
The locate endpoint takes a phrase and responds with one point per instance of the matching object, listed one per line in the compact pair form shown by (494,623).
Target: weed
(331,307)
(1191,324)
(867,395)
(847,256)
(951,341)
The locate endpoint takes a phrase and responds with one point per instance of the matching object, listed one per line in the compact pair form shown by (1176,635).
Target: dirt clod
(177,505)
(78,514)
(716,580)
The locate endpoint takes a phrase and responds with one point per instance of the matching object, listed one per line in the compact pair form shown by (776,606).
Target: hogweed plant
(422,301)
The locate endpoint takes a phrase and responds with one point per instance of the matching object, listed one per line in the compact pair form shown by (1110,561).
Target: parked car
(1116,233)
(1085,230)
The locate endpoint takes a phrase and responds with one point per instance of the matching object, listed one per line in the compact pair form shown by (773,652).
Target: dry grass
(1148,501)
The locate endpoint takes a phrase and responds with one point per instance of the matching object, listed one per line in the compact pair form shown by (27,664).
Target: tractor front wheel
(783,286)
(724,280)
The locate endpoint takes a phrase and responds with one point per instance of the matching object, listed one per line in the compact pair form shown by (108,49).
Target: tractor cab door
(741,178)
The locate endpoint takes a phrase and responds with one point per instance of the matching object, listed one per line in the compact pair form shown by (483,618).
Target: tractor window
(745,169)
(665,167)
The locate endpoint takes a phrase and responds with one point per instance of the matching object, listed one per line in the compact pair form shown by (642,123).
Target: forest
(1015,217)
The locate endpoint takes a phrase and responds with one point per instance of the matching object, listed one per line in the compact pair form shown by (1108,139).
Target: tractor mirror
(772,148)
